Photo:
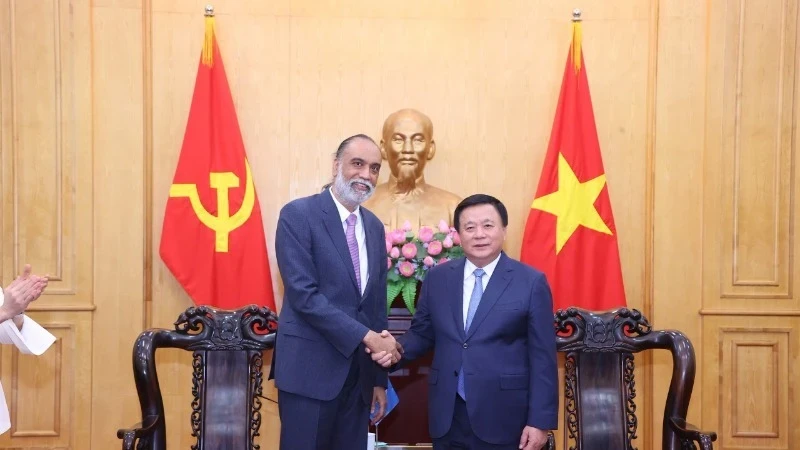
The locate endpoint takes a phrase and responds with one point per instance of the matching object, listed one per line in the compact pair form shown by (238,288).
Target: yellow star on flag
(573,203)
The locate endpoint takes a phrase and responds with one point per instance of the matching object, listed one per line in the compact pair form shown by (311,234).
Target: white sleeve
(32,339)
(5,419)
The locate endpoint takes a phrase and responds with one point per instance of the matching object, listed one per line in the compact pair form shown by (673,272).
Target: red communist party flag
(213,239)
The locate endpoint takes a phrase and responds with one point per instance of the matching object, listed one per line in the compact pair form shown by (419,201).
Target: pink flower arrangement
(410,257)
(447,242)
(409,251)
(425,234)
(406,268)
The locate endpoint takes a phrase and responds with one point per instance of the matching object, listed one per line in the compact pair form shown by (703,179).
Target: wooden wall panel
(759,104)
(37,157)
(118,227)
(750,157)
(750,310)
(677,208)
(46,184)
(760,361)
(754,362)
(47,178)
(48,395)
(41,412)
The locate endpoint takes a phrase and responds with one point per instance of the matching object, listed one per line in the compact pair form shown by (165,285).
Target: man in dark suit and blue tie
(332,259)
(489,319)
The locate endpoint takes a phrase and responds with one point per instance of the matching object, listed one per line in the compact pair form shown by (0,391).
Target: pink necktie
(352,245)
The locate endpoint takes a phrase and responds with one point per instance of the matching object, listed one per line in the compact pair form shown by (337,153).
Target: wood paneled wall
(696,111)
(751,313)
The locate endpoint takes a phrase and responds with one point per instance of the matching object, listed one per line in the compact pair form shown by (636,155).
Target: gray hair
(343,146)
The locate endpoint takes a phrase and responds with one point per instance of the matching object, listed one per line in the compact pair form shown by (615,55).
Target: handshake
(383,347)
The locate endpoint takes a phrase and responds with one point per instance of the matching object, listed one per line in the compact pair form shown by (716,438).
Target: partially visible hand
(387,359)
(532,438)
(379,403)
(21,292)
(379,343)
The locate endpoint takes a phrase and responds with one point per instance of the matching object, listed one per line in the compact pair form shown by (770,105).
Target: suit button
(359,309)
(455,373)
(465,345)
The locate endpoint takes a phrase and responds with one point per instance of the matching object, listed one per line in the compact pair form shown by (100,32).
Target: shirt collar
(343,212)
(489,268)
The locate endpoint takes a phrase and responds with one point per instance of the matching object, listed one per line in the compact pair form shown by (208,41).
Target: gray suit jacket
(324,317)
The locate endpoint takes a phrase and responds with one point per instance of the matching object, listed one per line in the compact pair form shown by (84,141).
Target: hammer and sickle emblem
(223,223)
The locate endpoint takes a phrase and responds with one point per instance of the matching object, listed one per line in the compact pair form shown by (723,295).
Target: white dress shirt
(469,281)
(32,339)
(361,239)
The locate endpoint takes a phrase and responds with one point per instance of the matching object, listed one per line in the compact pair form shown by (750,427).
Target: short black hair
(480,199)
(346,143)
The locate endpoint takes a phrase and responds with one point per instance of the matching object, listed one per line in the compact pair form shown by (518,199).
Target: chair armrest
(687,433)
(551,442)
(138,431)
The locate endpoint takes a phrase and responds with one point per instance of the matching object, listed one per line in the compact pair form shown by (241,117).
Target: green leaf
(393,276)
(409,292)
(393,288)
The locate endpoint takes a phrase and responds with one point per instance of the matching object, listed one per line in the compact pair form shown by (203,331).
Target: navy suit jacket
(324,317)
(508,354)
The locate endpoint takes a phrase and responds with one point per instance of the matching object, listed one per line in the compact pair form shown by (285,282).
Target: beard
(346,191)
(407,174)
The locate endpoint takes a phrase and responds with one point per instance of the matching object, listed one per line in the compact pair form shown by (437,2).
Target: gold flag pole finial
(577,38)
(208,41)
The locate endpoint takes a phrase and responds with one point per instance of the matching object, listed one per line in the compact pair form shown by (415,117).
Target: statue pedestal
(408,422)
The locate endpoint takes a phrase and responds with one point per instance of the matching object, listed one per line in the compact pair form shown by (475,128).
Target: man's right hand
(383,344)
(387,358)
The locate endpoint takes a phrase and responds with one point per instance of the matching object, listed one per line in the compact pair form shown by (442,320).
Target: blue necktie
(474,300)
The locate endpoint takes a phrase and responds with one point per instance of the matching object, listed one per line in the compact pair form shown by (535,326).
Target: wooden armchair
(226,381)
(600,412)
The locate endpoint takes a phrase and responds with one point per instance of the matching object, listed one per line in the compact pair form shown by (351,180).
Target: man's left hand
(378,404)
(532,438)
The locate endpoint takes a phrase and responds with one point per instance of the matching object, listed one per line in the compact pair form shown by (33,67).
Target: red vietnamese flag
(213,239)
(570,233)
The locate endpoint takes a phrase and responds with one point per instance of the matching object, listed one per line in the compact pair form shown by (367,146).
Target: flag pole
(577,38)
(208,42)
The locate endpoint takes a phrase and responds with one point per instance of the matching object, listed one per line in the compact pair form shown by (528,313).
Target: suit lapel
(497,284)
(334,226)
(456,286)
